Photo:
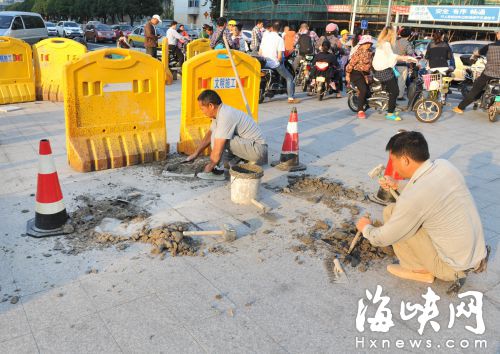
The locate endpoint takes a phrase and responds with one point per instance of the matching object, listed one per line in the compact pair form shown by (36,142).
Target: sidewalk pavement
(257,294)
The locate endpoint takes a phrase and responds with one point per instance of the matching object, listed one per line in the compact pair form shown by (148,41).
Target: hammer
(378,171)
(228,234)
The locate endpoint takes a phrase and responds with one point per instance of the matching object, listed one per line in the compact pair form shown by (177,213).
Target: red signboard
(340,8)
(402,9)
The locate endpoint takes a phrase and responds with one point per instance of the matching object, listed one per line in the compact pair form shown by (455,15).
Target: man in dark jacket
(151,36)
(491,71)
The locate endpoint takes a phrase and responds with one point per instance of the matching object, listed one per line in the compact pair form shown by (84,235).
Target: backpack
(305,44)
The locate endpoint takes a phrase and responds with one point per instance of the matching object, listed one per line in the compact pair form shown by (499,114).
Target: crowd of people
(352,59)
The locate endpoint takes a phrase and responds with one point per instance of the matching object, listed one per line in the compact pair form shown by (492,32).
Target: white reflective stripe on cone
(292,128)
(46,165)
(49,208)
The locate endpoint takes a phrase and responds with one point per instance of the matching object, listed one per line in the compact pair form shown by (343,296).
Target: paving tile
(85,335)
(60,305)
(13,321)
(19,345)
(147,325)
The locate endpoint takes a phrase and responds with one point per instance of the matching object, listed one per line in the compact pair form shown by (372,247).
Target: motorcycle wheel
(465,87)
(305,85)
(261,95)
(320,92)
(352,101)
(428,110)
(493,113)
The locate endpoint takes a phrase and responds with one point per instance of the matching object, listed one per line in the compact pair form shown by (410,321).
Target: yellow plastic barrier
(114,103)
(208,71)
(50,56)
(169,79)
(197,47)
(17,78)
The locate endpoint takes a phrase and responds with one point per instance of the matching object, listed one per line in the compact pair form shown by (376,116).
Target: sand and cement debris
(332,194)
(168,239)
(338,240)
(91,213)
(175,167)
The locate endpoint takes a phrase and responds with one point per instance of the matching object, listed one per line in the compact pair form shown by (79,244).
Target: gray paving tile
(147,325)
(85,335)
(19,345)
(13,321)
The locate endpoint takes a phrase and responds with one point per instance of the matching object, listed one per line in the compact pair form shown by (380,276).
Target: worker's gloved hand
(388,182)
(362,223)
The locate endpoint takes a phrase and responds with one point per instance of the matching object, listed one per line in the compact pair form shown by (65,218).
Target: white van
(28,26)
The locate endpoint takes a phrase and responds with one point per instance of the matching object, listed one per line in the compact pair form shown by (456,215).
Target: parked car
(69,29)
(136,38)
(99,33)
(460,48)
(194,33)
(248,36)
(28,26)
(51,28)
(126,29)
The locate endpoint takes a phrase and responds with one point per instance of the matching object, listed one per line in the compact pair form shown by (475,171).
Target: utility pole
(353,18)
(388,17)
(221,8)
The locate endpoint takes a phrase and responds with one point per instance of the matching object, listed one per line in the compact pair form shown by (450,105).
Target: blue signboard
(477,14)
(364,24)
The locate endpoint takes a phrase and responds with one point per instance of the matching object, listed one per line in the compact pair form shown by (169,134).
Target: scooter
(475,69)
(302,75)
(427,110)
(322,82)
(271,82)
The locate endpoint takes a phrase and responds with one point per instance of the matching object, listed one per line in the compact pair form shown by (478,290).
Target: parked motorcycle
(427,109)
(302,75)
(272,83)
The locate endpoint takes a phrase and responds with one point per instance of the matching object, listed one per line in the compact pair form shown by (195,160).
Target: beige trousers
(418,253)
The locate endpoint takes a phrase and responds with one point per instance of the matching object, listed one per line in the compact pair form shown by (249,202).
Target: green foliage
(91,9)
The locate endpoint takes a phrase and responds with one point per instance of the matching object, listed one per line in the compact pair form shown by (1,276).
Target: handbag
(396,73)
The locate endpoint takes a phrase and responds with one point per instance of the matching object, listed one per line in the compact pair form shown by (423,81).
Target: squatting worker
(151,36)
(434,226)
(232,132)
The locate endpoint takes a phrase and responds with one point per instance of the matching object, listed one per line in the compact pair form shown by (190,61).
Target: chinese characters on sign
(339,8)
(478,14)
(382,321)
(224,83)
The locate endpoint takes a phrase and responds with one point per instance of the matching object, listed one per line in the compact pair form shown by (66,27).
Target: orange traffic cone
(50,212)
(384,197)
(289,158)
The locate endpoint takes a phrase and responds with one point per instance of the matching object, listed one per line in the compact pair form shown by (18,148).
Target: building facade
(319,12)
(5,3)
(193,13)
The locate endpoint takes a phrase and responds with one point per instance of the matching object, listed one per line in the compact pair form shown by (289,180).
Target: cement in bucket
(245,183)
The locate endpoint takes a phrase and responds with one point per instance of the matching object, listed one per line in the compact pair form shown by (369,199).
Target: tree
(40,6)
(21,6)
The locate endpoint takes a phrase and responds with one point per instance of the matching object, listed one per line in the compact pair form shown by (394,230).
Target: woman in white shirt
(384,62)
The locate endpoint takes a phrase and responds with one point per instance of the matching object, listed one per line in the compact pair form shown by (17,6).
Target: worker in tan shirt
(434,226)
